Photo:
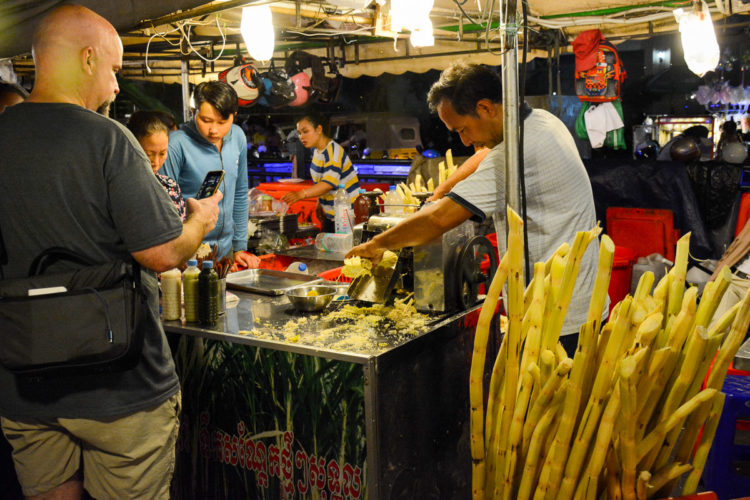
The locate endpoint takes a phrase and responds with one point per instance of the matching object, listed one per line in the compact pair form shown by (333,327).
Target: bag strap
(52,255)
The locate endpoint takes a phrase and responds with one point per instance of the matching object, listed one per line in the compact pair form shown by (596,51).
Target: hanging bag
(79,322)
(601,83)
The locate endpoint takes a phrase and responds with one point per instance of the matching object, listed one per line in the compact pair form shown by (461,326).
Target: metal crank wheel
(469,273)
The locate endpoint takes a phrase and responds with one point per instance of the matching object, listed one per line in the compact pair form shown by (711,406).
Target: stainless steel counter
(272,322)
(310,252)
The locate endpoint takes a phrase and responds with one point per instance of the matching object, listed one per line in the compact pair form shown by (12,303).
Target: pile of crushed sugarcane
(623,417)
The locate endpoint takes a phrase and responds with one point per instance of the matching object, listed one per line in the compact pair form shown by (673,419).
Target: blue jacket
(191,156)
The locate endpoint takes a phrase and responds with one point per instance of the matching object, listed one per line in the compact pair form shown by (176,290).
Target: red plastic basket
(334,275)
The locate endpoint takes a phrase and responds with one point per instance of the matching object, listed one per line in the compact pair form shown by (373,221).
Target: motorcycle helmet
(301,84)
(245,81)
(684,149)
(278,90)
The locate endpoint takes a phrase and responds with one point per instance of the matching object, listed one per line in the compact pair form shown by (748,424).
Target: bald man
(73,178)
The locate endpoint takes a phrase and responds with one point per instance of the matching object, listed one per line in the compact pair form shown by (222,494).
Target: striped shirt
(559,201)
(332,166)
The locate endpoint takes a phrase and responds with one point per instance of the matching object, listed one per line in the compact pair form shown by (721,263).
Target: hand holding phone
(210,184)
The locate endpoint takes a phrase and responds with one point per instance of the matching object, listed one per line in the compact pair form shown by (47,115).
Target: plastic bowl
(301,301)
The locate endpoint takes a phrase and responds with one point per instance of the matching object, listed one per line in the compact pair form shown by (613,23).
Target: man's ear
(87,60)
(485,108)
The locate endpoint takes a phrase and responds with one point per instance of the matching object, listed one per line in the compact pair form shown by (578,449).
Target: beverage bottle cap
(192,262)
(208,264)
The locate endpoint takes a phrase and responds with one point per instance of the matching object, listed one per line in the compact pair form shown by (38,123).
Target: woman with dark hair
(330,167)
(213,142)
(153,136)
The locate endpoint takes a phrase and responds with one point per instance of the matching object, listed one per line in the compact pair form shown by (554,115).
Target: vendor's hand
(369,250)
(438,193)
(293,196)
(246,260)
(205,210)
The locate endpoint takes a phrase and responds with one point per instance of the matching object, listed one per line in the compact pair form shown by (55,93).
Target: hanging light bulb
(413,15)
(698,39)
(256,27)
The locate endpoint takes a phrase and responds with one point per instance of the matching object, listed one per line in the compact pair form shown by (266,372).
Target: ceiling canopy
(159,35)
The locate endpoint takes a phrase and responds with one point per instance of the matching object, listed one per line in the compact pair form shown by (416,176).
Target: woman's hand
(246,260)
(293,196)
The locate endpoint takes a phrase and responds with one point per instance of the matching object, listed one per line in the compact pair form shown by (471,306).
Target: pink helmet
(301,87)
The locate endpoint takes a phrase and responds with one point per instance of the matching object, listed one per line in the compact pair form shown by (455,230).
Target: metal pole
(510,107)
(184,73)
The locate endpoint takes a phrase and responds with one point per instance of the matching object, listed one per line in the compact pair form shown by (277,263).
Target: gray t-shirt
(559,201)
(76,179)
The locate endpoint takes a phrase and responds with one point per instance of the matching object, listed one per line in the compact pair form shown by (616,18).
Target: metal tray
(266,281)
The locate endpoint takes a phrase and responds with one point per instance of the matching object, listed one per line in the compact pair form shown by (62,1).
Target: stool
(721,474)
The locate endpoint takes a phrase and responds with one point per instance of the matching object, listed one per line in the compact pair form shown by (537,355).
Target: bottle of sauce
(208,294)
(171,294)
(361,208)
(190,288)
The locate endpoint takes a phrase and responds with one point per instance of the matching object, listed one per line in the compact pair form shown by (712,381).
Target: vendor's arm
(202,217)
(462,172)
(422,227)
(313,191)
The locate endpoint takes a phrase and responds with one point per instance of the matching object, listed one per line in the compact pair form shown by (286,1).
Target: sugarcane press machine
(448,274)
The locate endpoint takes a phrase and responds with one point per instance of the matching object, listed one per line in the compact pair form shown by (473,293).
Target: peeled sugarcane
(641,487)
(534,313)
(545,396)
(476,378)
(627,428)
(667,474)
(701,453)
(678,271)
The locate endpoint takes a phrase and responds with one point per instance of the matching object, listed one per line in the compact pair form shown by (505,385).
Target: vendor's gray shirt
(76,179)
(559,201)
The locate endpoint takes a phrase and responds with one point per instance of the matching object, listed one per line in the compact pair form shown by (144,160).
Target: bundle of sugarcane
(445,170)
(622,418)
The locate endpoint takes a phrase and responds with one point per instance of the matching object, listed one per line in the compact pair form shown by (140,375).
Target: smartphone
(210,184)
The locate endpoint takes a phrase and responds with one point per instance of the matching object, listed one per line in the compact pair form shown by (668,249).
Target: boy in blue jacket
(213,142)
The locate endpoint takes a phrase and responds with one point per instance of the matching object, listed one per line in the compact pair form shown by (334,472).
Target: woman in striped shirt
(330,167)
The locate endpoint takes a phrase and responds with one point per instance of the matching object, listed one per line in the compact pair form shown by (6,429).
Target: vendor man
(468,99)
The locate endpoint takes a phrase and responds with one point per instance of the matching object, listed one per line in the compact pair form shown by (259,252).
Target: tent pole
(510,106)
(184,73)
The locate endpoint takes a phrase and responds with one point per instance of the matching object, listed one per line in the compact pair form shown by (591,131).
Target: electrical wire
(186,36)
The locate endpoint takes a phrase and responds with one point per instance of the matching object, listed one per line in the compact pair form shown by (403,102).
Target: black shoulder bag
(80,322)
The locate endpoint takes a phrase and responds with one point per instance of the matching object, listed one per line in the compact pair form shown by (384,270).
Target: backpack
(602,82)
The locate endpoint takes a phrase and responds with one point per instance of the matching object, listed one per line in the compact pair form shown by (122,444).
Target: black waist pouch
(91,327)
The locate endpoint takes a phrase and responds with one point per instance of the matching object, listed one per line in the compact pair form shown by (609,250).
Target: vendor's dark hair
(697,131)
(317,119)
(10,88)
(145,123)
(463,85)
(218,94)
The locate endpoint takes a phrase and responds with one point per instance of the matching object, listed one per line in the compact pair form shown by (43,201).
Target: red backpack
(602,82)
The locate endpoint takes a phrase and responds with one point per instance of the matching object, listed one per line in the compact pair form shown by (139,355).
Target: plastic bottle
(393,202)
(190,288)
(297,267)
(334,242)
(208,294)
(342,210)
(361,208)
(171,294)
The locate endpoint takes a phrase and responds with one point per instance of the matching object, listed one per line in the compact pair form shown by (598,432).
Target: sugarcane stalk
(515,317)
(712,294)
(731,344)
(493,415)
(645,283)
(601,283)
(595,406)
(589,481)
(646,385)
(627,427)
(657,435)
(707,438)
(536,443)
(660,296)
(547,360)
(663,476)
(569,413)
(561,251)
(535,312)
(516,430)
(725,321)
(641,487)
(678,271)
(476,378)
(545,396)
(614,491)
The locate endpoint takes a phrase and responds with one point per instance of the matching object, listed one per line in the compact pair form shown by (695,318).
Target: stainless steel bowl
(301,301)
